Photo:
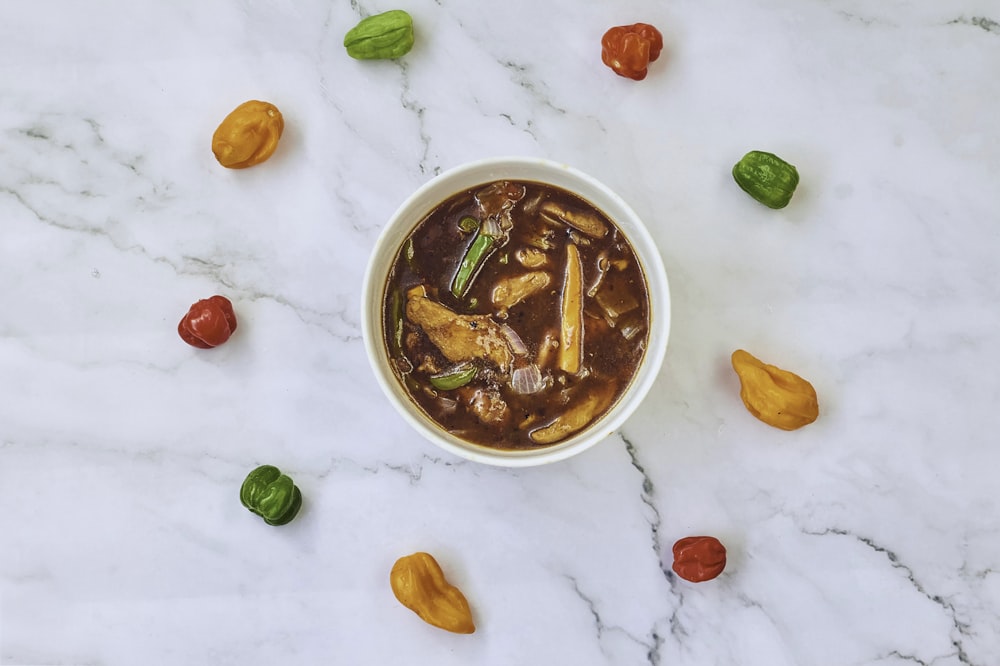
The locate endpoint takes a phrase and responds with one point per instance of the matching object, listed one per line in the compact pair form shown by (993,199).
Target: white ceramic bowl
(461,178)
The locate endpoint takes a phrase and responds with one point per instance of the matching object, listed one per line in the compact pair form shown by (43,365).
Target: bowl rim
(412,211)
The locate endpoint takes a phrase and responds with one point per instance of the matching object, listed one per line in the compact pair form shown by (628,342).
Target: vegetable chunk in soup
(515,314)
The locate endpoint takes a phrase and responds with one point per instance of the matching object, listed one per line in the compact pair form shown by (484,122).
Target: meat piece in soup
(515,314)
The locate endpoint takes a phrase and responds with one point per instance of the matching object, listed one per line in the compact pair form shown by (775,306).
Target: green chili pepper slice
(271,495)
(468,224)
(397,320)
(474,259)
(455,378)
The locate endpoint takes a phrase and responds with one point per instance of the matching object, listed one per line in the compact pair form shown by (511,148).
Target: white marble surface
(870,537)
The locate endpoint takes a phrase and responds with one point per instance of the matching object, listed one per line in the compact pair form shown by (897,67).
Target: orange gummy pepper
(628,49)
(208,323)
(699,558)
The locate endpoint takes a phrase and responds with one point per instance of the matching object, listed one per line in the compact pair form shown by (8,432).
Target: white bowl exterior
(451,182)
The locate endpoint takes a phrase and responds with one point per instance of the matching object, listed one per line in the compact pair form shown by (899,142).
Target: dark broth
(541,340)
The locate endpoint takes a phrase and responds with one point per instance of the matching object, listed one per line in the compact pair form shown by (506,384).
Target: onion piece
(631,329)
(602,265)
(526,380)
(516,343)
(491,227)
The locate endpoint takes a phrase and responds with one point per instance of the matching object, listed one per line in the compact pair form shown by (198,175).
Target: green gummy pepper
(387,35)
(767,178)
(271,495)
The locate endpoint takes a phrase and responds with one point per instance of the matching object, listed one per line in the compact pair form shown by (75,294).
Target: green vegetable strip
(474,259)
(397,320)
(455,378)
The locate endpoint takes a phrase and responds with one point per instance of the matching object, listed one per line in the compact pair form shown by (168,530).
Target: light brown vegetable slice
(577,417)
(571,325)
(511,291)
(531,257)
(547,348)
(586,222)
(616,298)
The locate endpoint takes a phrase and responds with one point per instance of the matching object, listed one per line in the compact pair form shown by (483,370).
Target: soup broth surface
(515,314)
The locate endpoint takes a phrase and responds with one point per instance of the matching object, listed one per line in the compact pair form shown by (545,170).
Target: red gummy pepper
(628,49)
(699,558)
(208,323)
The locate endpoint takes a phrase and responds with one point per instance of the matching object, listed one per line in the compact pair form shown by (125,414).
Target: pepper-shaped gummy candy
(777,397)
(384,36)
(699,558)
(767,178)
(628,49)
(271,495)
(209,323)
(248,135)
(420,585)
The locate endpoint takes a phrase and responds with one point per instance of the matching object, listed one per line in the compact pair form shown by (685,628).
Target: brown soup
(515,314)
